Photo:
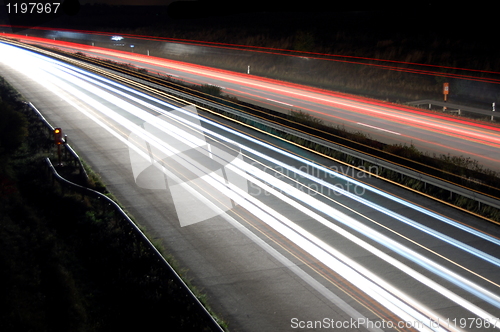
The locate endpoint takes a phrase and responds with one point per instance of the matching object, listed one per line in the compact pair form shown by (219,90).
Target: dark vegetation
(68,263)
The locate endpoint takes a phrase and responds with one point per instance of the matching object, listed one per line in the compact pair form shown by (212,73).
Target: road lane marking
(280,102)
(378,128)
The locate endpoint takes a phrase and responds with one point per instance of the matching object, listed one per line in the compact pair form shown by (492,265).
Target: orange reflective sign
(446,88)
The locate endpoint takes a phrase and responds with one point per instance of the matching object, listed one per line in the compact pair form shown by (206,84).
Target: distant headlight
(117,38)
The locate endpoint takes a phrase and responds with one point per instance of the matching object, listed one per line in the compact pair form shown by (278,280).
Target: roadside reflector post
(58,136)
(446,91)
(58,140)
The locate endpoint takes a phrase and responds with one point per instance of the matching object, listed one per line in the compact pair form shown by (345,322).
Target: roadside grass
(96,183)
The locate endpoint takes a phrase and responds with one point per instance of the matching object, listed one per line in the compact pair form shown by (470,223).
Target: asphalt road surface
(279,239)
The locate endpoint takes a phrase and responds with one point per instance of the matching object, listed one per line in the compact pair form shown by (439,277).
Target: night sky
(425,14)
(454,20)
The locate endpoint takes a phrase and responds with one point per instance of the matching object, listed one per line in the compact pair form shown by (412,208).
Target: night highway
(277,238)
(394,124)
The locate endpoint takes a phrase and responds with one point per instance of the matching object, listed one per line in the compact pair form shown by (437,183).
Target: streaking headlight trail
(204,164)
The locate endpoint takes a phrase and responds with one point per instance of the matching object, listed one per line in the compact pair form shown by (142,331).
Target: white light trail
(378,128)
(311,202)
(309,163)
(362,278)
(279,102)
(433,267)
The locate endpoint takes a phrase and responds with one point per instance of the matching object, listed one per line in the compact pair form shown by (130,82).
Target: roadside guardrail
(457,107)
(213,325)
(84,191)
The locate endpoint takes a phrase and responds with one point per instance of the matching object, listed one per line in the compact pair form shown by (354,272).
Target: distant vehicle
(116,40)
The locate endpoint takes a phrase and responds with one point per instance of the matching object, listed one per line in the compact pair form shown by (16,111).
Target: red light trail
(318,56)
(456,129)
